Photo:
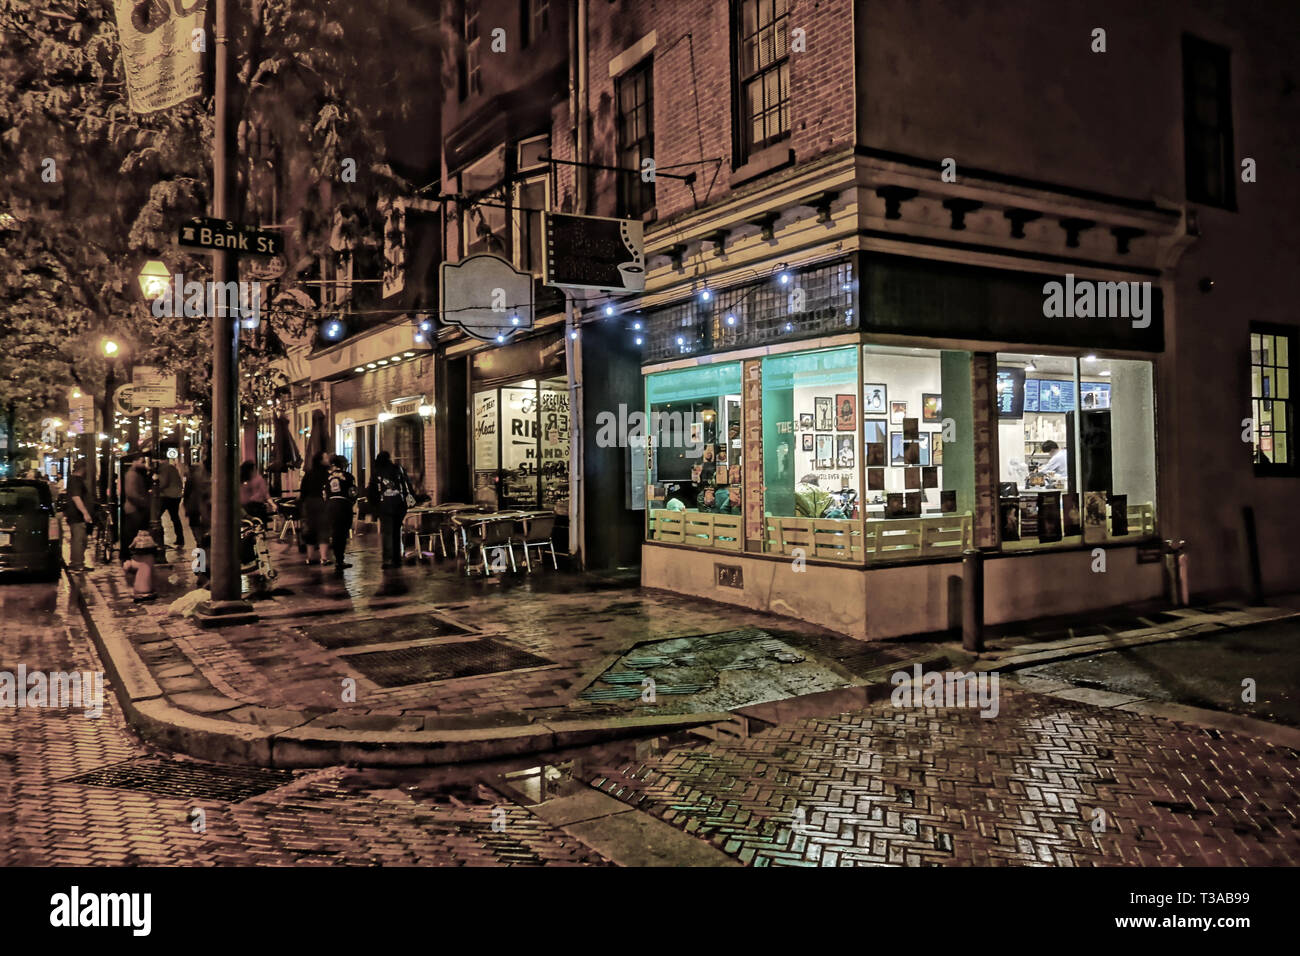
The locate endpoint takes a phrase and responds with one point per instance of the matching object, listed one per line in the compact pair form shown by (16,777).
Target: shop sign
(124,401)
(153,388)
(591,252)
(487,297)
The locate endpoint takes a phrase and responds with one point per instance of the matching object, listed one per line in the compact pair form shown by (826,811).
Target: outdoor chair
(490,536)
(537,532)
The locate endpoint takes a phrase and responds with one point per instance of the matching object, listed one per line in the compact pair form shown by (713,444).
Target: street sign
(487,297)
(590,252)
(152,388)
(207,233)
(122,401)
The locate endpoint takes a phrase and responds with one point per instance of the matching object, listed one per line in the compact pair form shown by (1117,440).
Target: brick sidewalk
(919,787)
(578,625)
(325,817)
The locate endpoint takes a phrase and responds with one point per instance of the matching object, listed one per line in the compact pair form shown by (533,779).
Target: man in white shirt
(1058,464)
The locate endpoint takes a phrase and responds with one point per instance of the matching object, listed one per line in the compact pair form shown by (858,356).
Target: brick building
(921,278)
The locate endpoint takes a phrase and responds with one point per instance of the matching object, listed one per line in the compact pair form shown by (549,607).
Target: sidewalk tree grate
(434,662)
(382,630)
(185,780)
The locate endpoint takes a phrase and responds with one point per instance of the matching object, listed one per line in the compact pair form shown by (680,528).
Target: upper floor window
(635,140)
(1270,400)
(762,75)
(535,16)
(530,202)
(1207,124)
(469,77)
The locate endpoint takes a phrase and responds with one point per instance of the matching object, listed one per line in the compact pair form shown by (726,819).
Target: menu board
(1049,395)
(1095,394)
(485,431)
(1011,392)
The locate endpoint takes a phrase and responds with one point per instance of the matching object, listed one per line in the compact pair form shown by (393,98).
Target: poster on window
(485,431)
(554,445)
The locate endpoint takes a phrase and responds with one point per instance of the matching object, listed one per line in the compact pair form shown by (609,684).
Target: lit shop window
(693,447)
(912,400)
(521,445)
(1270,401)
(1076,442)
(811,435)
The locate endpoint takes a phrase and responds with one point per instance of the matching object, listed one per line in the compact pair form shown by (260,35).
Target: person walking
(78,509)
(170,491)
(340,496)
(135,504)
(197,498)
(388,495)
(254,495)
(311,508)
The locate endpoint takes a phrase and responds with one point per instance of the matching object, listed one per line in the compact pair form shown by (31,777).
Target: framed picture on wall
(876,430)
(844,451)
(875,399)
(808,440)
(806,420)
(896,412)
(846,413)
(825,412)
(875,479)
(896,449)
(936,448)
(931,407)
(825,455)
(875,452)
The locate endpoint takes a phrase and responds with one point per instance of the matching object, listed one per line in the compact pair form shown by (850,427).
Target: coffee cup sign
(592,252)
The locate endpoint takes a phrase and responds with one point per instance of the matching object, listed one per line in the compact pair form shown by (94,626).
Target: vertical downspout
(572,318)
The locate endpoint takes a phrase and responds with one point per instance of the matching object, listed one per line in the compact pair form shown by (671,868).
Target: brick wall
(692,93)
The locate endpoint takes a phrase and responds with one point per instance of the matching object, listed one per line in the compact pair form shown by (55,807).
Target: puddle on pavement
(715,672)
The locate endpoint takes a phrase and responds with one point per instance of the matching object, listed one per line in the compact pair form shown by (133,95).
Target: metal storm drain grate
(433,662)
(181,779)
(382,630)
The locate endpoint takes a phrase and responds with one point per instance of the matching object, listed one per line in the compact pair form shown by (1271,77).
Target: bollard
(972,600)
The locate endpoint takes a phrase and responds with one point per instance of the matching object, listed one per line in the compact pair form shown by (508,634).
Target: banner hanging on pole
(163,42)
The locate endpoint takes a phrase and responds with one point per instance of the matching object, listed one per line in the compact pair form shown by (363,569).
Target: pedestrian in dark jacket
(340,496)
(311,508)
(387,494)
(135,504)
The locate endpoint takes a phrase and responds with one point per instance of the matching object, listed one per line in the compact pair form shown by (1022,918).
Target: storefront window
(694,456)
(521,445)
(811,431)
(918,430)
(1076,440)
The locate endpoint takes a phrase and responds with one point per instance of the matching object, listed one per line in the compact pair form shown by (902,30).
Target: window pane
(1283,352)
(811,435)
(694,456)
(916,483)
(1281,449)
(1283,383)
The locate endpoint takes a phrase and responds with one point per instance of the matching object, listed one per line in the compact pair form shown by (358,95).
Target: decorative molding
(1018,218)
(959,208)
(1123,236)
(895,196)
(1073,226)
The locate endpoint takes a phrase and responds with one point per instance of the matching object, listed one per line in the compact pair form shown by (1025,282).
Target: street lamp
(154,279)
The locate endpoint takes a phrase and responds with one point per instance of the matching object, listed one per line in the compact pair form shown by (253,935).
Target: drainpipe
(579,47)
(577,509)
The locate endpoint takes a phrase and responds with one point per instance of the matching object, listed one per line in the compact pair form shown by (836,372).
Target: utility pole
(226,605)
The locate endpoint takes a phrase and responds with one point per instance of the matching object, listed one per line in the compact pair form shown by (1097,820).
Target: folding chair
(492,535)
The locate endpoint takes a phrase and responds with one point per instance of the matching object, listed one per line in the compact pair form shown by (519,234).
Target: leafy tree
(91,190)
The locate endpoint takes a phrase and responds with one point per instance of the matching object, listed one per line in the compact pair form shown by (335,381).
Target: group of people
(327,497)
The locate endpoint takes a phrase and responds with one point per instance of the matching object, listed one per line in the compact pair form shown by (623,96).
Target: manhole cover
(184,780)
(382,630)
(419,665)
